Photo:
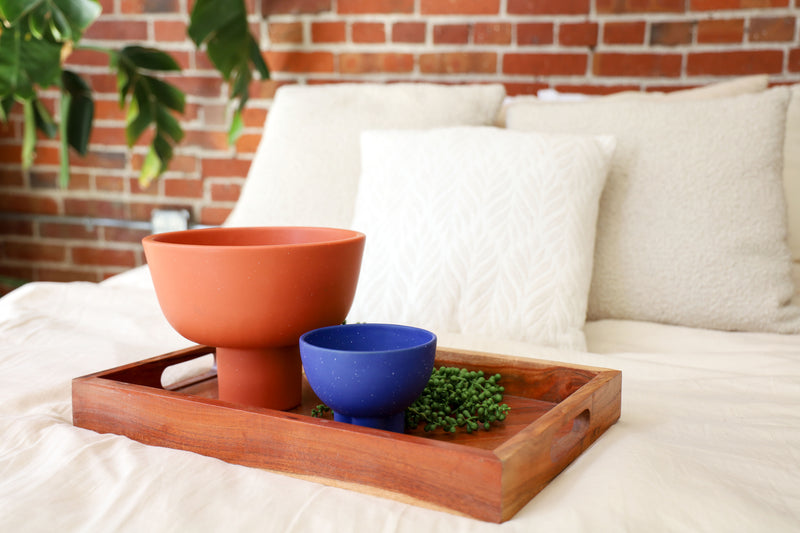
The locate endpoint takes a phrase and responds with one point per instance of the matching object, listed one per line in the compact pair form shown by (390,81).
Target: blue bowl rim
(433,339)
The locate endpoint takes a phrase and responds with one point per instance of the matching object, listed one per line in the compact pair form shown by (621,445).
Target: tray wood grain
(557,411)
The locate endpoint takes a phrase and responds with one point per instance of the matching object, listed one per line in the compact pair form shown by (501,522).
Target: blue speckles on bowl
(368,374)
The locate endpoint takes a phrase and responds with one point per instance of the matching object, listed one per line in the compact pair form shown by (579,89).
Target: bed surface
(708,440)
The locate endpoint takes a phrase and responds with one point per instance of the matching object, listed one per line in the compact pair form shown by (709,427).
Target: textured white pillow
(692,223)
(480,230)
(305,171)
(791,171)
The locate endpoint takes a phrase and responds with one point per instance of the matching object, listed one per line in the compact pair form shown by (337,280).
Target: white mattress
(709,438)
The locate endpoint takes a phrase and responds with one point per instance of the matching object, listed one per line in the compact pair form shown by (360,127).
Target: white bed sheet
(709,438)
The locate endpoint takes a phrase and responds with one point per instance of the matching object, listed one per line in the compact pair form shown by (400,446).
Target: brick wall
(92,230)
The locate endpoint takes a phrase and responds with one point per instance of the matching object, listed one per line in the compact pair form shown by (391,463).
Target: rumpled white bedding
(709,438)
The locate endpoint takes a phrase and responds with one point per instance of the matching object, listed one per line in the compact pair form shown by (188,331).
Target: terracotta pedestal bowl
(251,293)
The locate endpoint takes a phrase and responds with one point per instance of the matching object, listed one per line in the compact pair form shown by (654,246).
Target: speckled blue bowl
(368,374)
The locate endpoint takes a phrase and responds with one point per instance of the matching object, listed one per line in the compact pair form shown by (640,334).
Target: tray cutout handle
(569,435)
(189,372)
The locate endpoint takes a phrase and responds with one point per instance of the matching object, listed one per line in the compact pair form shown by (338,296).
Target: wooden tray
(557,411)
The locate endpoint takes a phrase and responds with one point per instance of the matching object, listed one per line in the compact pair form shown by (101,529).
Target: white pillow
(692,224)
(480,230)
(791,171)
(305,171)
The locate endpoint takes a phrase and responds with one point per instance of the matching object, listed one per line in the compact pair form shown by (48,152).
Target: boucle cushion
(692,223)
(791,171)
(480,230)
(305,171)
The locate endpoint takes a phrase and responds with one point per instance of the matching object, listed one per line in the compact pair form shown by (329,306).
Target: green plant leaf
(5,107)
(63,153)
(14,10)
(44,122)
(208,16)
(168,125)
(9,61)
(39,62)
(151,168)
(141,113)
(148,58)
(236,128)
(78,14)
(29,134)
(257,59)
(80,111)
(167,95)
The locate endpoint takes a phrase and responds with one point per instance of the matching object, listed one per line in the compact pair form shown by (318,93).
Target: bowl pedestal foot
(396,422)
(261,377)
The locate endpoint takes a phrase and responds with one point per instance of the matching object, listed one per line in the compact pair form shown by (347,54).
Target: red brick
(734,62)
(794,59)
(624,32)
(711,5)
(116,30)
(300,61)
(671,33)
(254,117)
(115,234)
(284,7)
(286,32)
(109,183)
(28,203)
(640,6)
(545,64)
(169,30)
(248,143)
(23,228)
(328,32)
(214,216)
(108,110)
(408,32)
(106,157)
(225,192)
(458,63)
(96,208)
(720,31)
(11,177)
(535,33)
(90,255)
(33,251)
(771,29)
(644,65)
(451,34)
(352,63)
(459,7)
(205,139)
(149,6)
(182,188)
(108,135)
(492,33)
(65,275)
(205,86)
(66,230)
(84,57)
(549,7)
(225,167)
(578,34)
(351,7)
(368,32)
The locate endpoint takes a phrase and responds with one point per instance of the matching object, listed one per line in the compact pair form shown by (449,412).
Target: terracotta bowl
(368,374)
(251,293)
